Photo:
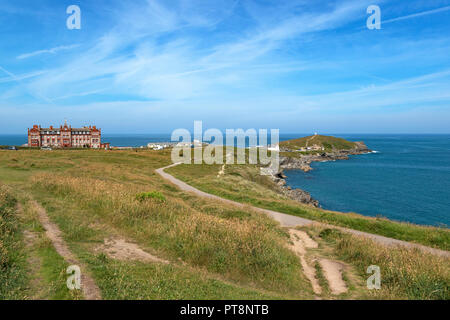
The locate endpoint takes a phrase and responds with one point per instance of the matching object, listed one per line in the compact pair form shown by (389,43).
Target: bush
(150,195)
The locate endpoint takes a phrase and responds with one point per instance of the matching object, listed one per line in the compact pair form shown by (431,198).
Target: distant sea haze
(408,179)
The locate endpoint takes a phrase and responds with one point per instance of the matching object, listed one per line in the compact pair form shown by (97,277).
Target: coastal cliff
(299,153)
(290,159)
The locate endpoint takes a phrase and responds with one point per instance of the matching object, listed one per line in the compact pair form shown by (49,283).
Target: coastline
(303,162)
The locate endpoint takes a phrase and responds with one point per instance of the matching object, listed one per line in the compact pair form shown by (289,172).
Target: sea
(406,178)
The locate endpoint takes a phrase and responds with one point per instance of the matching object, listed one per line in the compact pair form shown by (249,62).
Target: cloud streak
(415,15)
(47,51)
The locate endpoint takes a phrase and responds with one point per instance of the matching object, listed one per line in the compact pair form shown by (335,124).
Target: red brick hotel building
(64,137)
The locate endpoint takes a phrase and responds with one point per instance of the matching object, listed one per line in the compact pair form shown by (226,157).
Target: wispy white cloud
(412,92)
(51,51)
(20,77)
(181,67)
(415,15)
(18,80)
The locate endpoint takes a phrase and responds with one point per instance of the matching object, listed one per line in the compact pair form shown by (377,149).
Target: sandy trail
(301,241)
(120,249)
(332,269)
(287,220)
(88,287)
(333,273)
(305,238)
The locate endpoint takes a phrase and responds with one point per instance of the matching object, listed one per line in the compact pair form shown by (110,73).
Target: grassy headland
(215,250)
(93,195)
(329,143)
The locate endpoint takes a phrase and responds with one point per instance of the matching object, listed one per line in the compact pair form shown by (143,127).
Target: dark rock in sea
(295,194)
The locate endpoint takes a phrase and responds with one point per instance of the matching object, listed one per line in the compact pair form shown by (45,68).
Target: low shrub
(156,195)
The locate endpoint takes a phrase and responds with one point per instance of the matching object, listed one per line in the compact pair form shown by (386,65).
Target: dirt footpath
(88,287)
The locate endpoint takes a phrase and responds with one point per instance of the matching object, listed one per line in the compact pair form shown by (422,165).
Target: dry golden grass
(405,273)
(250,249)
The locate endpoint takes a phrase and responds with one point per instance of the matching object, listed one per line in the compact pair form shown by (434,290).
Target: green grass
(321,278)
(243,183)
(155,195)
(328,142)
(53,275)
(13,278)
(137,280)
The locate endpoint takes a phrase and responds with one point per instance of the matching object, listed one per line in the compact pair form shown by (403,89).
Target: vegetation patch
(155,195)
(136,280)
(329,143)
(53,273)
(13,279)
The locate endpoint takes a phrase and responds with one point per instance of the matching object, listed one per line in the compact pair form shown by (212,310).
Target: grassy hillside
(328,142)
(214,250)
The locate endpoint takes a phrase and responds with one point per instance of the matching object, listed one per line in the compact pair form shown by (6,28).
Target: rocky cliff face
(302,161)
(300,195)
(295,194)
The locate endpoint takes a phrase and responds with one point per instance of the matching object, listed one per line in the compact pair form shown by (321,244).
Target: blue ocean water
(407,180)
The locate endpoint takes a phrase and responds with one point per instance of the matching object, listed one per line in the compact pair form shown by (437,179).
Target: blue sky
(154,66)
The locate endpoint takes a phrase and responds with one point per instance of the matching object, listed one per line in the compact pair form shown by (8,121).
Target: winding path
(287,220)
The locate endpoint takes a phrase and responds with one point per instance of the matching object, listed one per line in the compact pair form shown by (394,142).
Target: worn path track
(88,287)
(287,220)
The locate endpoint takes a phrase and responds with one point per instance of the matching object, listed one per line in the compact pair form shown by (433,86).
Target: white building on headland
(157,146)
